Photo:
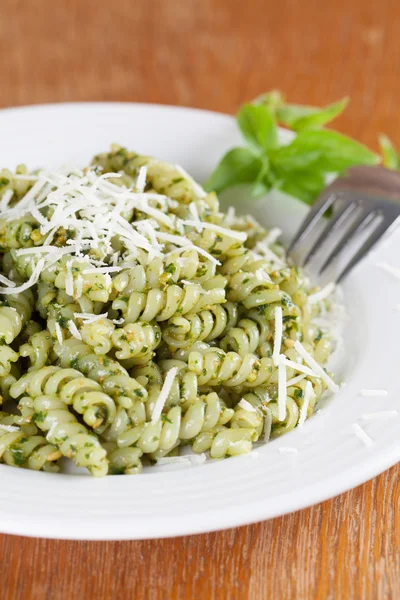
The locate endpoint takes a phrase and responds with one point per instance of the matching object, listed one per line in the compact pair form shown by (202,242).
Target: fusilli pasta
(137,319)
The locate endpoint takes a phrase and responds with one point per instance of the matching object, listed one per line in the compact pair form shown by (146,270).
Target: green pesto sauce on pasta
(137,320)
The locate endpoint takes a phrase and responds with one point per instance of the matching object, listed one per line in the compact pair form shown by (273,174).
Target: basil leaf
(263,182)
(273,100)
(300,118)
(391,159)
(305,185)
(258,126)
(239,165)
(324,150)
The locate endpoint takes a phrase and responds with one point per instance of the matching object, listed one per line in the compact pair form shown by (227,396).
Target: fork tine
(368,244)
(324,201)
(357,227)
(332,225)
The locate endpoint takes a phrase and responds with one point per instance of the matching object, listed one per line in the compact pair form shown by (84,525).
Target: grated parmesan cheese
(295,380)
(141,179)
(69,281)
(287,450)
(237,235)
(371,393)
(89,318)
(246,405)
(272,236)
(198,190)
(74,330)
(59,333)
(382,414)
(318,370)
(391,269)
(321,294)
(9,428)
(362,435)
(164,393)
(299,367)
(278,335)
(306,402)
(281,389)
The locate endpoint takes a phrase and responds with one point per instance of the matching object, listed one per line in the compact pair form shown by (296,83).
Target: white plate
(216,495)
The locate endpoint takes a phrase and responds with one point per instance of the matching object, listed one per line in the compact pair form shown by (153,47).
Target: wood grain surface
(215,54)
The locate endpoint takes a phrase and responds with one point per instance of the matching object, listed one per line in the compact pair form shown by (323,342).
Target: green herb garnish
(299,168)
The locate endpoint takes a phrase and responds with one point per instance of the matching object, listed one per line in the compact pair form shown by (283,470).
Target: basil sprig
(298,168)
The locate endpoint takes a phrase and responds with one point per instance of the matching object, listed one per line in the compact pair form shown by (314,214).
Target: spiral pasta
(137,318)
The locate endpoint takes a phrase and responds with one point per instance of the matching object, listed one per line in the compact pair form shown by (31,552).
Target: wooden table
(215,54)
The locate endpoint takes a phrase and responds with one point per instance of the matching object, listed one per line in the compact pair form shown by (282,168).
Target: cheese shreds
(9,428)
(195,214)
(74,330)
(141,179)
(269,254)
(102,270)
(281,389)
(31,281)
(118,321)
(362,435)
(164,393)
(370,393)
(299,367)
(287,450)
(79,286)
(237,235)
(277,335)
(230,216)
(59,334)
(246,405)
(90,318)
(272,236)
(197,459)
(173,460)
(267,424)
(69,281)
(295,380)
(198,190)
(318,370)
(321,294)
(188,459)
(306,403)
(382,414)
(6,281)
(5,200)
(391,269)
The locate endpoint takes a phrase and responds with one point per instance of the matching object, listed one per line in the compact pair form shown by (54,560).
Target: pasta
(137,319)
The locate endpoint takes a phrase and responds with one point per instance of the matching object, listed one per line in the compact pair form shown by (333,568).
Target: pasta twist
(37,349)
(19,233)
(136,341)
(22,447)
(85,395)
(222,442)
(204,326)
(15,311)
(161,305)
(77,277)
(112,376)
(189,265)
(150,322)
(71,438)
(123,461)
(213,367)
(162,177)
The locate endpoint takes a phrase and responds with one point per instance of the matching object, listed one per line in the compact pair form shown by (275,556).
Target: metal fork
(364,204)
